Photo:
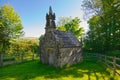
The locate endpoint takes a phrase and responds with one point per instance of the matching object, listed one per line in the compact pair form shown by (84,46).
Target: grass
(35,70)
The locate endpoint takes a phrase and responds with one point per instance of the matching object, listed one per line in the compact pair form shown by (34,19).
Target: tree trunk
(1,59)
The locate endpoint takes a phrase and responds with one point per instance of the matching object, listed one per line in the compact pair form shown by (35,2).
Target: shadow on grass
(35,70)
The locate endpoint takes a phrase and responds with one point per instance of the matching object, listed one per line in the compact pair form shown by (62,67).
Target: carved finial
(47,20)
(50,10)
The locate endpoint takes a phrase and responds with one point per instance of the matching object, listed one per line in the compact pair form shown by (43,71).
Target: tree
(63,20)
(22,48)
(95,37)
(71,25)
(106,29)
(10,26)
(41,37)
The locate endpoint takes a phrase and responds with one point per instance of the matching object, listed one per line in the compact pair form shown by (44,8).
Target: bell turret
(50,20)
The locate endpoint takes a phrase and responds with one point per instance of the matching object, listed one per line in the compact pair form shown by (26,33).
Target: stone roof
(66,38)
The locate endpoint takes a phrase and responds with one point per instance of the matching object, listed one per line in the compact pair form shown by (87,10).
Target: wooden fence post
(100,57)
(114,65)
(105,59)
(1,59)
(97,56)
(33,56)
(22,57)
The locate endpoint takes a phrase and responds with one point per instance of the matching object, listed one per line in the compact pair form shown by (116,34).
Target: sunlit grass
(34,70)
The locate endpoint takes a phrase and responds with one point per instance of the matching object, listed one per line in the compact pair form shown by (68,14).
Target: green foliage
(28,47)
(11,21)
(34,70)
(23,46)
(63,20)
(62,28)
(104,25)
(114,53)
(73,25)
(9,59)
(41,37)
(10,26)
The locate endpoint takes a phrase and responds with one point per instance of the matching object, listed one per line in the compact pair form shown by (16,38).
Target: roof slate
(67,38)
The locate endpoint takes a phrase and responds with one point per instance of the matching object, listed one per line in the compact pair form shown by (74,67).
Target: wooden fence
(16,58)
(110,61)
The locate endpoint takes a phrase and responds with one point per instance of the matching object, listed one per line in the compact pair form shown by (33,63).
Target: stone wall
(69,56)
(47,44)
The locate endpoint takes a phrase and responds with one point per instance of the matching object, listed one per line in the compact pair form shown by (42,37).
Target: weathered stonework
(59,48)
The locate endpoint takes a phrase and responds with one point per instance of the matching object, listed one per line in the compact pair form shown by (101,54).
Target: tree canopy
(71,25)
(104,24)
(10,25)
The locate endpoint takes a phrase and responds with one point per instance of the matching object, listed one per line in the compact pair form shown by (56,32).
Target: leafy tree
(73,26)
(23,48)
(63,20)
(10,26)
(41,37)
(105,29)
(94,36)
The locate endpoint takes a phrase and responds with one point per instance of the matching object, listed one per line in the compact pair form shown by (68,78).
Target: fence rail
(109,61)
(15,58)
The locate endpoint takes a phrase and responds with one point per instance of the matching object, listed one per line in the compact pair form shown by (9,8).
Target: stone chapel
(59,48)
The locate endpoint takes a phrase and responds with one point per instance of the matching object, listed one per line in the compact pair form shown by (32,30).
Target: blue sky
(32,13)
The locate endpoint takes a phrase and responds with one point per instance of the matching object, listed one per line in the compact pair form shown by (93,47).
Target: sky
(33,12)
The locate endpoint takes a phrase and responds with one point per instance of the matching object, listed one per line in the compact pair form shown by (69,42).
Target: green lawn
(34,70)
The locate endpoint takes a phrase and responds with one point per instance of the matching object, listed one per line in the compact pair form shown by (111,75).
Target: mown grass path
(34,70)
